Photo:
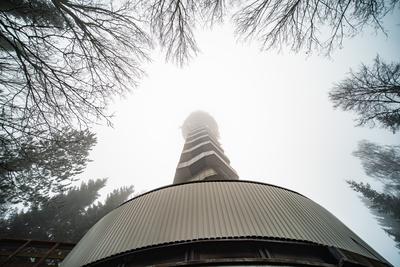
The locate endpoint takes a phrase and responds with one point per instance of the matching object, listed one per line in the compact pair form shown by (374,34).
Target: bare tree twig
(373,93)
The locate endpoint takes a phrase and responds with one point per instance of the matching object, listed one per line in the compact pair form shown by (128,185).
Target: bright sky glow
(275,119)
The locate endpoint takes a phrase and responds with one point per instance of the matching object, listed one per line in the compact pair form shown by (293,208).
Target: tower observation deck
(208,217)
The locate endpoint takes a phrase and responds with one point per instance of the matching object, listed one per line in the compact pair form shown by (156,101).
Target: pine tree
(383,164)
(31,169)
(65,216)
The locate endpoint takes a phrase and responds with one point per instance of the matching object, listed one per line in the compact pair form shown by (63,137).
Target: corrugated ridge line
(302,219)
(341,239)
(310,234)
(153,233)
(332,227)
(233,224)
(321,228)
(189,205)
(133,211)
(206,220)
(170,197)
(276,218)
(223,209)
(249,219)
(105,230)
(80,251)
(179,234)
(180,223)
(228,208)
(213,206)
(280,199)
(218,219)
(135,229)
(362,242)
(254,211)
(172,224)
(194,213)
(136,222)
(167,217)
(343,235)
(114,244)
(325,230)
(106,245)
(296,230)
(166,202)
(229,228)
(236,216)
(268,217)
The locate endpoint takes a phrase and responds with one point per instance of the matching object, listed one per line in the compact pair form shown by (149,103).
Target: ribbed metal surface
(209,210)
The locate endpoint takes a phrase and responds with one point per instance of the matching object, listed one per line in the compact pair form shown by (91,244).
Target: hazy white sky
(276,122)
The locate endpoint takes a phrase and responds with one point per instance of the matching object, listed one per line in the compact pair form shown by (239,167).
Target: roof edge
(209,181)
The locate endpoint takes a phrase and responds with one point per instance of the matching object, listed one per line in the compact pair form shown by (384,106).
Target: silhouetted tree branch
(309,24)
(373,93)
(172,23)
(62,61)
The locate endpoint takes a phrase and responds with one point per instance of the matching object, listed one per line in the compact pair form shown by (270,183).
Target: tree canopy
(298,24)
(31,169)
(383,164)
(66,216)
(309,24)
(373,93)
(61,62)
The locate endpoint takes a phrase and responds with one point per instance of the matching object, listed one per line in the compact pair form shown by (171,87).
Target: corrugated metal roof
(213,209)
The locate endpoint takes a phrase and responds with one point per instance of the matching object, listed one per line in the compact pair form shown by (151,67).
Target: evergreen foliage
(383,164)
(66,216)
(31,169)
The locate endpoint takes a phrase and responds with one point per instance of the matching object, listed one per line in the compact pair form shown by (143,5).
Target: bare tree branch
(373,93)
(63,61)
(310,24)
(173,22)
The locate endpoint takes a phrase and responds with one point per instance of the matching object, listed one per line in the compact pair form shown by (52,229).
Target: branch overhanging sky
(276,122)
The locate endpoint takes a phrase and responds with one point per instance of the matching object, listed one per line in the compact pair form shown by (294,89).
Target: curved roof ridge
(209,181)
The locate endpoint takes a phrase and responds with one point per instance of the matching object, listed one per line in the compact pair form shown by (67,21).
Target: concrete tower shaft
(202,156)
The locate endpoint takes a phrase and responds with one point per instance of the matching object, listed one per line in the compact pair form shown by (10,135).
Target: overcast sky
(275,119)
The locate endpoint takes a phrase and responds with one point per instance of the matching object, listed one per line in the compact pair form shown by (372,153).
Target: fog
(276,122)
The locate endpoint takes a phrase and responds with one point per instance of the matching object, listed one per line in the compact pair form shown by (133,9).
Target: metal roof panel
(210,210)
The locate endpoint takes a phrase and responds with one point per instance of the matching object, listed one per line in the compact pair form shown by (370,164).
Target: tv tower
(208,217)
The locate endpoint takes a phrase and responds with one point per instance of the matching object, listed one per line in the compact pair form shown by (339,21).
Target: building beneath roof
(208,217)
(32,253)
